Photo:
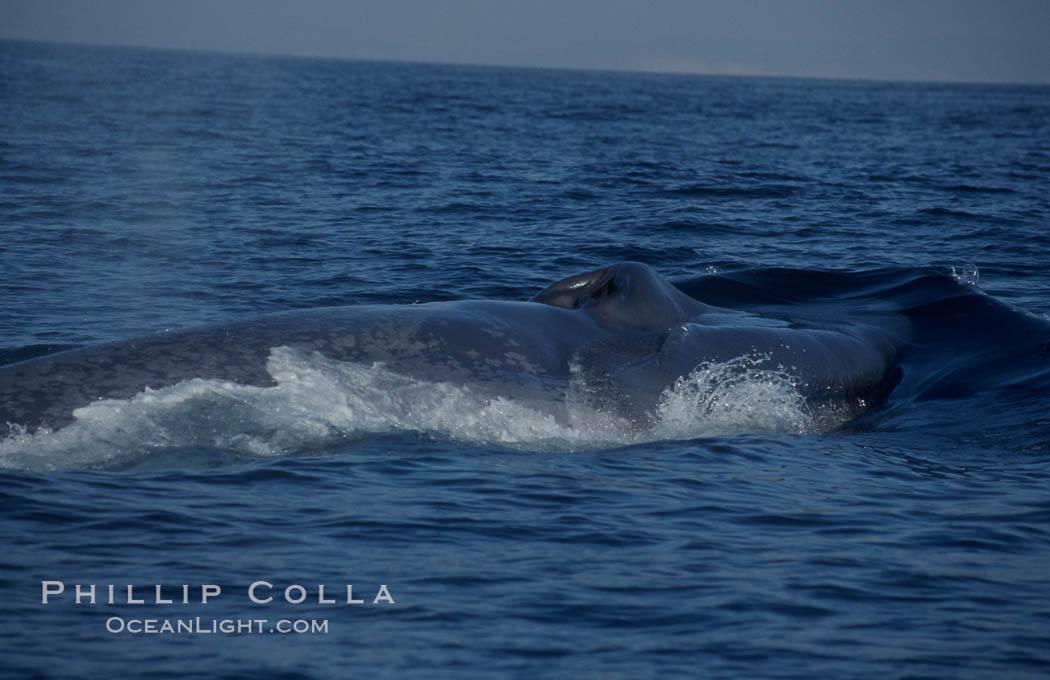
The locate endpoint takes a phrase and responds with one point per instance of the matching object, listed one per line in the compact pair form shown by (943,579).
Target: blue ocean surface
(426,534)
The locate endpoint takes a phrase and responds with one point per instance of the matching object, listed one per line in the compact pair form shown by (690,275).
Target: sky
(926,40)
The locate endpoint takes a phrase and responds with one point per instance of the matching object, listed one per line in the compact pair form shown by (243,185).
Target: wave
(962,342)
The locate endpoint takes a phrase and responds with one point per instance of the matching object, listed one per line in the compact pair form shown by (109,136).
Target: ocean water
(142,191)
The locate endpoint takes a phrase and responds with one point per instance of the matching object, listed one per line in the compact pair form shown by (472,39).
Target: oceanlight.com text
(204,626)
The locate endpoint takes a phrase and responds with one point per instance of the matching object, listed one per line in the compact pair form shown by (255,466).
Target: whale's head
(627,294)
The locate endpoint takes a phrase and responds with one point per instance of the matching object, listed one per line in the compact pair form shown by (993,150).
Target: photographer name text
(259,592)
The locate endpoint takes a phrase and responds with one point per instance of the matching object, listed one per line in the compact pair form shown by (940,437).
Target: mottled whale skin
(622,332)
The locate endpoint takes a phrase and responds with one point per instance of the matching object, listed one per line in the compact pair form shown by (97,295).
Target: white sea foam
(318,402)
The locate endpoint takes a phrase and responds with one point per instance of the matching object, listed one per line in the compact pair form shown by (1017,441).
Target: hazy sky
(971,40)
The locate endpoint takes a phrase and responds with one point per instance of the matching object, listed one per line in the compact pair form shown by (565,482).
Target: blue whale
(616,340)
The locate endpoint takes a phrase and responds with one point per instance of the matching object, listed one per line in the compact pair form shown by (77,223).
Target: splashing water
(733,397)
(967,274)
(319,402)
